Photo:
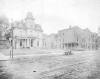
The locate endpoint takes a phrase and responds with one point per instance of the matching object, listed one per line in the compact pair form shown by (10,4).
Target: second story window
(63,39)
(30,32)
(37,34)
(59,35)
(21,33)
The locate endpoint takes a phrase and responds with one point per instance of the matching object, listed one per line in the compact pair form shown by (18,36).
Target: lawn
(24,51)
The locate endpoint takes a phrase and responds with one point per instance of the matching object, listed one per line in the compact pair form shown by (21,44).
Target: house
(50,41)
(26,33)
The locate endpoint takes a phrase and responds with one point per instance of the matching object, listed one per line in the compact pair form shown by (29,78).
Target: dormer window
(31,25)
(20,26)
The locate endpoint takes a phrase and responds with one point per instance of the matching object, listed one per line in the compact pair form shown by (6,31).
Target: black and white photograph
(49,39)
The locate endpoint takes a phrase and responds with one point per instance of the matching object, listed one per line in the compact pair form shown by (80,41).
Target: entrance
(20,43)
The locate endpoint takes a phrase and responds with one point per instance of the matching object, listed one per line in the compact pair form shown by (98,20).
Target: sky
(54,15)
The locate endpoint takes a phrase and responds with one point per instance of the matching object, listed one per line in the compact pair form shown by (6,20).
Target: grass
(23,52)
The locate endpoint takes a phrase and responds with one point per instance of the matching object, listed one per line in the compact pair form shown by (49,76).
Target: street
(83,65)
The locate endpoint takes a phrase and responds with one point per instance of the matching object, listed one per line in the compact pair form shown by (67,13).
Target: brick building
(50,41)
(75,37)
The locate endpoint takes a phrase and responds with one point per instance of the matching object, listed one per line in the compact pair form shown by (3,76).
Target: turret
(29,16)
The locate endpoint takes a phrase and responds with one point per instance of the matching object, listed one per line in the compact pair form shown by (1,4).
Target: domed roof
(29,16)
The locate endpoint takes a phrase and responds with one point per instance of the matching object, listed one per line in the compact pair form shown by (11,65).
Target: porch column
(66,46)
(22,43)
(30,42)
(13,42)
(25,42)
(33,42)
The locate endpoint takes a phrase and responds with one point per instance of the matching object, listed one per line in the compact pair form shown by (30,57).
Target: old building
(26,33)
(98,40)
(75,37)
(50,41)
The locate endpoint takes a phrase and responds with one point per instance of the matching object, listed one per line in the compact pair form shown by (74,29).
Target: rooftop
(29,16)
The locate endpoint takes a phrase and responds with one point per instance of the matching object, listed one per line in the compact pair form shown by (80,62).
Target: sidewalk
(24,51)
(5,53)
(3,57)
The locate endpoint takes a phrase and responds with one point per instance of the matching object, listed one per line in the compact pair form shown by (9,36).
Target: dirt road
(79,66)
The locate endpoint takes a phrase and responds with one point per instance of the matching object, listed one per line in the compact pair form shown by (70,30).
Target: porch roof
(19,37)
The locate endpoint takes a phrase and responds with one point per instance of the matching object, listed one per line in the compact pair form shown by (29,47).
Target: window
(63,33)
(37,43)
(63,39)
(59,35)
(96,41)
(37,34)
(21,33)
(20,42)
(77,39)
(20,26)
(30,32)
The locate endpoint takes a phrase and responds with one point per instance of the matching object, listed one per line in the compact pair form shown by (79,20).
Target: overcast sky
(54,15)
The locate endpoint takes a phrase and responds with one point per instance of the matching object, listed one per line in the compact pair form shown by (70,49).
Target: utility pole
(12,42)
(12,37)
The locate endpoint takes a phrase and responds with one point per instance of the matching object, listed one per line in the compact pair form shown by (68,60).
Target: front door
(20,43)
